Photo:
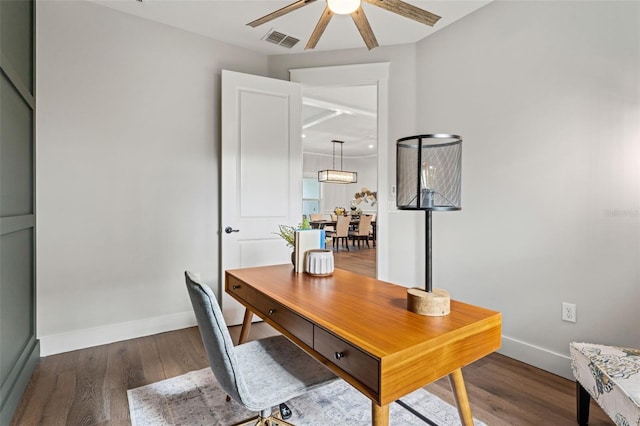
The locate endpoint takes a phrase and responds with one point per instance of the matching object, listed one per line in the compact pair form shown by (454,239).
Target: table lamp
(428,172)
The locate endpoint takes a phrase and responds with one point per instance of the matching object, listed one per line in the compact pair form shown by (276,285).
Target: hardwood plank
(125,370)
(179,353)
(91,399)
(504,391)
(361,261)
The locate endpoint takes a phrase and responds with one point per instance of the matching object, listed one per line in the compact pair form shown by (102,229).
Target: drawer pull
(272,311)
(339,355)
(235,286)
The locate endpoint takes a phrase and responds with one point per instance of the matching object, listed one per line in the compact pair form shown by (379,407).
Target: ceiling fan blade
(407,10)
(320,27)
(278,13)
(362,23)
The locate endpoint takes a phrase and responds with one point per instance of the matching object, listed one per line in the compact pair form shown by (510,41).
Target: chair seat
(611,375)
(277,356)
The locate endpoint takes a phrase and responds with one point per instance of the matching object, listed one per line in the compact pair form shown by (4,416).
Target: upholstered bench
(611,375)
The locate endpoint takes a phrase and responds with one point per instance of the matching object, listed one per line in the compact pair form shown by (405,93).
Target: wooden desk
(359,327)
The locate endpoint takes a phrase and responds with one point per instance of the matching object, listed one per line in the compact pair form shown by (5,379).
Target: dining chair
(363,231)
(315,216)
(260,374)
(341,232)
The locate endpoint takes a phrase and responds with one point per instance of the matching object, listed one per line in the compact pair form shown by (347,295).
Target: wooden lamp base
(434,304)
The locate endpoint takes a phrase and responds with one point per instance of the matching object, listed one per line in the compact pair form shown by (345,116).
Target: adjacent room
(130,168)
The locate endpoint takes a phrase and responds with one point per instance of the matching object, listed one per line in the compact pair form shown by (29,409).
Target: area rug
(196,398)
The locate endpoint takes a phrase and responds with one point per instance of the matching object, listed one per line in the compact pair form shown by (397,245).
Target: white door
(261,173)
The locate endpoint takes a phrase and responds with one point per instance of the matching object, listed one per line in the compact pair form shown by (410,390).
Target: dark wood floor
(361,261)
(88,386)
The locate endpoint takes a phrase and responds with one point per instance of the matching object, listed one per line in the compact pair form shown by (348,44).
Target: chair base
(264,421)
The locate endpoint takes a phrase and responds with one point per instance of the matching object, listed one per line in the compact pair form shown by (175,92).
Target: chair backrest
(316,216)
(216,338)
(364,225)
(334,217)
(342,227)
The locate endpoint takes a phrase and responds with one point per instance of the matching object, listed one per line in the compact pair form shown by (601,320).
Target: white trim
(542,358)
(359,74)
(89,337)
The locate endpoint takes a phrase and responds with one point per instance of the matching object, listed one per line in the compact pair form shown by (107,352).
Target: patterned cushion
(611,375)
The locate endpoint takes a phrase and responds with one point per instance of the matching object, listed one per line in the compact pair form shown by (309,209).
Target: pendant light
(337,176)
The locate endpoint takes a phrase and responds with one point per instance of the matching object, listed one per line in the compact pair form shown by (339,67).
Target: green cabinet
(19,348)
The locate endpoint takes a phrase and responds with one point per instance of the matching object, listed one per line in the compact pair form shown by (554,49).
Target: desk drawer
(358,364)
(290,321)
(237,287)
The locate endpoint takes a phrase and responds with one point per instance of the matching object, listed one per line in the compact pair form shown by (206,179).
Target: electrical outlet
(569,312)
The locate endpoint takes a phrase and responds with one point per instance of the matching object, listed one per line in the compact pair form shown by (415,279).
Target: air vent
(280,39)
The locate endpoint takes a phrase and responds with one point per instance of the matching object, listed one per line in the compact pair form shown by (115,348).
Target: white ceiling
(348,114)
(226,20)
(341,113)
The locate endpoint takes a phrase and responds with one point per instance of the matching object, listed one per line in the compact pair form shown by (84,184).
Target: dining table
(321,224)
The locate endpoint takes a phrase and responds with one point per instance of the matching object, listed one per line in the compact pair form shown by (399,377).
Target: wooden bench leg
(582,404)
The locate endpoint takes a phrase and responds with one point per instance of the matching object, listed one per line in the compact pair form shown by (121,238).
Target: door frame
(378,74)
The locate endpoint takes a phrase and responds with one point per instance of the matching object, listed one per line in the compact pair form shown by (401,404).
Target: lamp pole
(428,270)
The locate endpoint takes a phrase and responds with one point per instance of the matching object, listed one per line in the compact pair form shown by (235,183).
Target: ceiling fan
(354,8)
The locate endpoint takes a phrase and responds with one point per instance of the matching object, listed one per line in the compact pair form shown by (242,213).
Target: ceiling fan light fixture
(343,7)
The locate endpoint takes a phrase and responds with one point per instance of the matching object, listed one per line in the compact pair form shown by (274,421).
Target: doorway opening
(360,76)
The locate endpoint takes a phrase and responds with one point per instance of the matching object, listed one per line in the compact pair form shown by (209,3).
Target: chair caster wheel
(285,411)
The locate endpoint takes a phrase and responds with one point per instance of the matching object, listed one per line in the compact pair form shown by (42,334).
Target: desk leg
(379,414)
(462,401)
(246,326)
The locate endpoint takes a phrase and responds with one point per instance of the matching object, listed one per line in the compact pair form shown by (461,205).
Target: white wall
(340,195)
(547,98)
(127,171)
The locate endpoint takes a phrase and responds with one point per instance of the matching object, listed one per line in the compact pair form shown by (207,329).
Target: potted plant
(288,233)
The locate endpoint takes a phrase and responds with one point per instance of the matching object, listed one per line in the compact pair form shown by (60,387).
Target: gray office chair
(259,374)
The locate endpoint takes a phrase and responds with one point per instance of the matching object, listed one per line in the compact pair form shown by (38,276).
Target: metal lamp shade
(429,172)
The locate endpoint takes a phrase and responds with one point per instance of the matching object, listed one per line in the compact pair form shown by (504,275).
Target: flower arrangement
(339,211)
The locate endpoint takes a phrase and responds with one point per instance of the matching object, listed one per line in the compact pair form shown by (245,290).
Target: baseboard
(545,359)
(88,337)
(17,381)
